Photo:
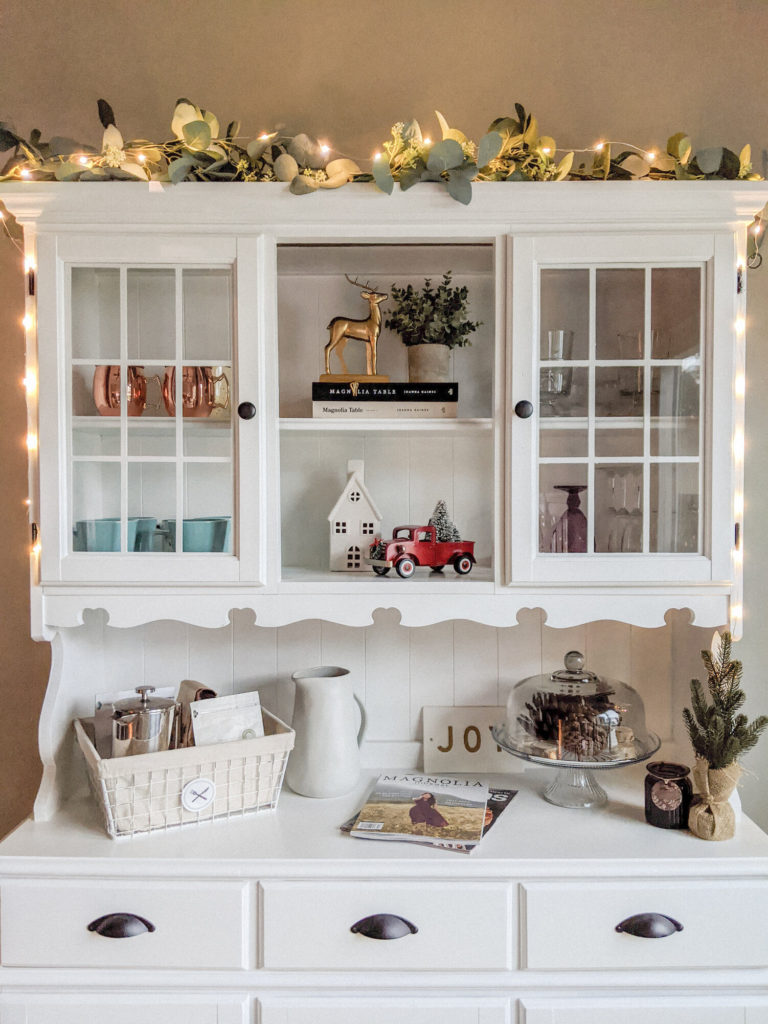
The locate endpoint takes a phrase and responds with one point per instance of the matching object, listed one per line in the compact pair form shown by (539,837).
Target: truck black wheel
(380,570)
(463,565)
(405,568)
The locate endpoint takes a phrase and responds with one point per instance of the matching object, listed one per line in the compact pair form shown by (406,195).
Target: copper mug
(107,391)
(201,390)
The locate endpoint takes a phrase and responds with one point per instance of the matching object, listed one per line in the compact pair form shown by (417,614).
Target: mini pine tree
(717,732)
(444,527)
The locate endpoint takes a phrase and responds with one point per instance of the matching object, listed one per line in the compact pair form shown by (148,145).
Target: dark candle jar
(668,793)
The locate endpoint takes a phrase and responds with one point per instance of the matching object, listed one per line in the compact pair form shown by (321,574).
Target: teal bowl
(104,534)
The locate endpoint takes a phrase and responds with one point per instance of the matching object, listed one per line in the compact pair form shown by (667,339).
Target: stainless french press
(143,726)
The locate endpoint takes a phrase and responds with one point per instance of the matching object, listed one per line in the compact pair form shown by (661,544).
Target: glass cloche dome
(574,719)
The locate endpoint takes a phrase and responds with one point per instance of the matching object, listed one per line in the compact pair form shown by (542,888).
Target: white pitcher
(325,760)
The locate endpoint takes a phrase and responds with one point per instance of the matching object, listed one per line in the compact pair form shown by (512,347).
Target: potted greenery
(719,736)
(431,321)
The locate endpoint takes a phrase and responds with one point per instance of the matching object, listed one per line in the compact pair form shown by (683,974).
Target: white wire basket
(149,792)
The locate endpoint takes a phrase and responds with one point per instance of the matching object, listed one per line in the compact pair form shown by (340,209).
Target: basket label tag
(198,794)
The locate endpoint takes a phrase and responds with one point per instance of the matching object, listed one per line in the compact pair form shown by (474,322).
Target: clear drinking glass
(555,381)
(631,377)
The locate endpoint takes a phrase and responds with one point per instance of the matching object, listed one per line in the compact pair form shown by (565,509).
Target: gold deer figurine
(343,328)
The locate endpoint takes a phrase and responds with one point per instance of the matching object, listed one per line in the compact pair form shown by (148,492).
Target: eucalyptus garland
(511,150)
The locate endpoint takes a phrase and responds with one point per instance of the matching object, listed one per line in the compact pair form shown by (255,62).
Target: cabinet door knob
(384,926)
(524,409)
(650,926)
(120,926)
(246,410)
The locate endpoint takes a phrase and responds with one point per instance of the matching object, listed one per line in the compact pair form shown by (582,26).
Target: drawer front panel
(45,924)
(666,1010)
(382,1011)
(160,1008)
(461,927)
(569,927)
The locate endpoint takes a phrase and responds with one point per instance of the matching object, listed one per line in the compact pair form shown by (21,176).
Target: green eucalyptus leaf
(730,166)
(564,167)
(504,124)
(8,138)
(521,115)
(95,174)
(233,130)
(286,167)
(67,170)
(184,113)
(459,188)
(179,169)
(383,176)
(35,135)
(488,148)
(61,146)
(445,155)
(678,145)
(197,135)
(709,160)
(213,123)
(467,170)
(106,114)
(256,147)
(306,151)
(301,185)
(410,178)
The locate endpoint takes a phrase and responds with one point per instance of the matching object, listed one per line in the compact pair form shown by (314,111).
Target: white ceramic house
(354,521)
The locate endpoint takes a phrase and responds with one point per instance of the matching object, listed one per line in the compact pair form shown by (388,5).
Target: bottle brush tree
(718,732)
(445,528)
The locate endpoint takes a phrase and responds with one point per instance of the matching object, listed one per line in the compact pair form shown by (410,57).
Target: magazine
(437,810)
(498,801)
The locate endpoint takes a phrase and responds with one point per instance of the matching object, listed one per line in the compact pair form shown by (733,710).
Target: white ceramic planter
(428,363)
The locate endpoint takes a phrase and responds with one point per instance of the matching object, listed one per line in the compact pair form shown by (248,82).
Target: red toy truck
(418,545)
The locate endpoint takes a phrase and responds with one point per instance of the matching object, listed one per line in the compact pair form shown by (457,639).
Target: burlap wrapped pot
(712,817)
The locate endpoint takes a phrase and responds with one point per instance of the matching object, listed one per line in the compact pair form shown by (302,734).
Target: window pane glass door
(620,400)
(151,424)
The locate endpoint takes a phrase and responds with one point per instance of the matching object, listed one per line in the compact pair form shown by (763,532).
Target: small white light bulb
(427,141)
(24,172)
(32,442)
(324,149)
(740,385)
(36,549)
(27,321)
(740,324)
(599,146)
(738,504)
(377,155)
(651,154)
(141,158)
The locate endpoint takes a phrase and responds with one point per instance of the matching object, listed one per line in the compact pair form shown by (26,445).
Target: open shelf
(443,426)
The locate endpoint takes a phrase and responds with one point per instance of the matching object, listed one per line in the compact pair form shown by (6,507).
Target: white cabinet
(615,320)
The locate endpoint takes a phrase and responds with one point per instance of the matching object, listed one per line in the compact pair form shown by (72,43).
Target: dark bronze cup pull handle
(384,926)
(120,926)
(650,926)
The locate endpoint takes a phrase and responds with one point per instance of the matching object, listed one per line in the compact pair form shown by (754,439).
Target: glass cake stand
(574,784)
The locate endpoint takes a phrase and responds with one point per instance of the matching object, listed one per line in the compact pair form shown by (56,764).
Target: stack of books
(395,400)
(450,813)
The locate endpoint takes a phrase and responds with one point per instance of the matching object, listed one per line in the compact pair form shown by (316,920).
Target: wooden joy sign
(459,739)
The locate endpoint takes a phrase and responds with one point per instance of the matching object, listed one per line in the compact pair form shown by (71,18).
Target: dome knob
(574,661)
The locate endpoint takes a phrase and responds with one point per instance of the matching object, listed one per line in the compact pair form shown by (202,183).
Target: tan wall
(632,70)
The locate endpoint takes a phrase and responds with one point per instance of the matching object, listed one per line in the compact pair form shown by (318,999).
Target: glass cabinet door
(151,440)
(618,448)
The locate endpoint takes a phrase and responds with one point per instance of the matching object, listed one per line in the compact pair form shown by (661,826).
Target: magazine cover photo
(404,807)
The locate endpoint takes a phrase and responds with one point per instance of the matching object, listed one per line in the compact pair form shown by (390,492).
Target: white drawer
(159,1008)
(383,1010)
(460,926)
(45,924)
(573,927)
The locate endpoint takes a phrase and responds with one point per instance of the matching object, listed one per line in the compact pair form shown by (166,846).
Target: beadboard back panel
(396,670)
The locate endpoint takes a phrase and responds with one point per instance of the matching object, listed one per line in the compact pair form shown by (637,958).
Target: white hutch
(608,374)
